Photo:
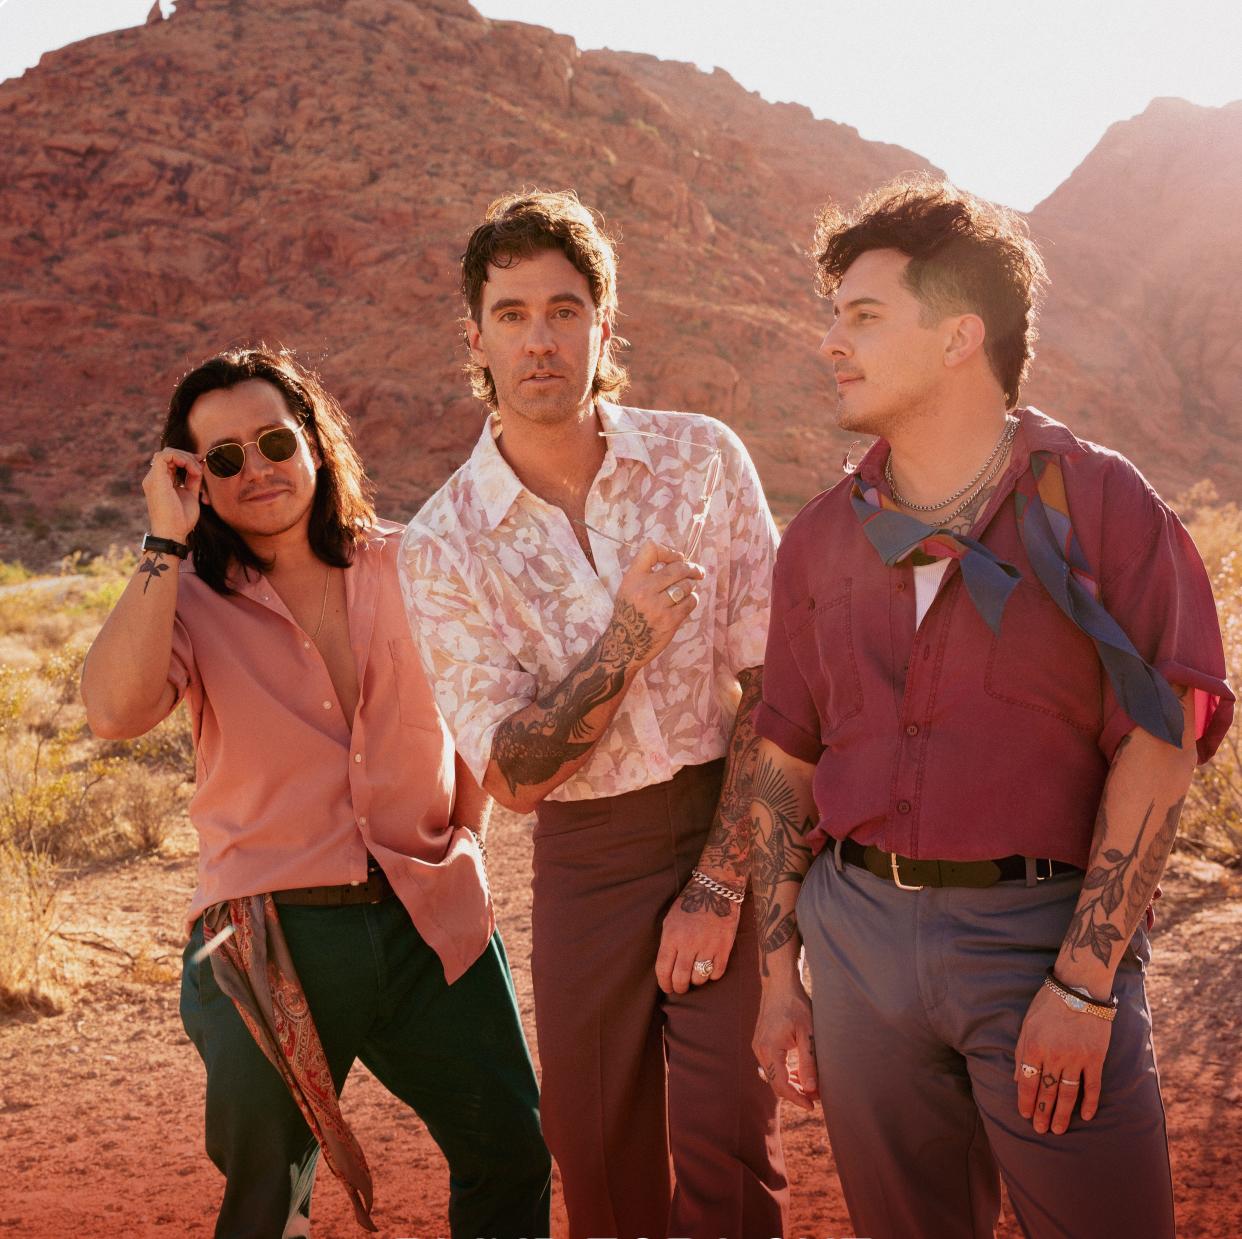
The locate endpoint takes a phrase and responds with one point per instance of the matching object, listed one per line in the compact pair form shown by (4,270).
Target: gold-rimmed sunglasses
(227,460)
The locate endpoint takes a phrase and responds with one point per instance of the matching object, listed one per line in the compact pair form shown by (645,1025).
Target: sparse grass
(1212,818)
(28,890)
(66,798)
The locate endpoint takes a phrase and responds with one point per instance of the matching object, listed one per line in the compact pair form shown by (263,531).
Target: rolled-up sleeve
(787,715)
(1160,594)
(476,680)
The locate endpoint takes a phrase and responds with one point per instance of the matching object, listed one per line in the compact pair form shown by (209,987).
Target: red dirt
(101,1127)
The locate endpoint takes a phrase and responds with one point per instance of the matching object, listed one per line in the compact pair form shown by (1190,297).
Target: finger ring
(1072,1083)
(676,593)
(1029,1071)
(704,967)
(763,1075)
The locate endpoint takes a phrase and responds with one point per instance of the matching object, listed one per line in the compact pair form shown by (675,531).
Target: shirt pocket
(415,704)
(1042,661)
(821,640)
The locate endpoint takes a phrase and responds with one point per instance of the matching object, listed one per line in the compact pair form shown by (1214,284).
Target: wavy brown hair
(967,256)
(519,225)
(341,511)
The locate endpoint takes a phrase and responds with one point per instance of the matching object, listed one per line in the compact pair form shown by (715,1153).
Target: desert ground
(100,1105)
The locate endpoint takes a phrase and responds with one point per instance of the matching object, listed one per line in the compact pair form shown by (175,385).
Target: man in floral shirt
(590,593)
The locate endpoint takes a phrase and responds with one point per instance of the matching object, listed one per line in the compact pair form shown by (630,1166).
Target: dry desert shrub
(28,889)
(67,799)
(1212,819)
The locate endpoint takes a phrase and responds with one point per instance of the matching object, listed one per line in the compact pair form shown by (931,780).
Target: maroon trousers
(631,1075)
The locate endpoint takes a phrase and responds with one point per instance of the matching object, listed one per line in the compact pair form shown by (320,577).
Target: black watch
(165,546)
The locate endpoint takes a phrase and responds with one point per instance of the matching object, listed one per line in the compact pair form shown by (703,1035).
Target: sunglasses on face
(227,460)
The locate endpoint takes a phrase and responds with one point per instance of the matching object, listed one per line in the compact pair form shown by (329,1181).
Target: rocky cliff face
(306,171)
(1143,335)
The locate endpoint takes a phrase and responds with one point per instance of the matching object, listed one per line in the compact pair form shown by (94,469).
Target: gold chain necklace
(323,606)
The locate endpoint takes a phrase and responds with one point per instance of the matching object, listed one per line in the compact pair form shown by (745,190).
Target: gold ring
(1029,1071)
(676,593)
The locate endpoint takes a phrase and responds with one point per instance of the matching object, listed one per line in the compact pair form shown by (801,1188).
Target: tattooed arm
(1134,832)
(702,923)
(540,746)
(782,816)
(125,677)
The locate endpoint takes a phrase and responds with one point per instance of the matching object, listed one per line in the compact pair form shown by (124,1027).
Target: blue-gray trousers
(918,997)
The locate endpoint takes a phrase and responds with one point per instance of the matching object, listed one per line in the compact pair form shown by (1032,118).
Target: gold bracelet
(1106,1011)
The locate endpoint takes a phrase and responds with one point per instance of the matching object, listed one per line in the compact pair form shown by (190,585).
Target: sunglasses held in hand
(227,460)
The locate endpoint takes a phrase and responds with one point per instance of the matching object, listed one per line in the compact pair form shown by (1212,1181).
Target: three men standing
(341,889)
(993,660)
(590,591)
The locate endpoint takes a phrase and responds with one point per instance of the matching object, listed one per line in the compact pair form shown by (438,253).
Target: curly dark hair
(521,224)
(341,510)
(966,256)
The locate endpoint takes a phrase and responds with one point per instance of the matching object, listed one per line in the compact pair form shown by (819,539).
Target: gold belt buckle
(892,860)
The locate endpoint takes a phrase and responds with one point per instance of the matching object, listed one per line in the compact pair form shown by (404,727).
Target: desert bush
(28,892)
(1212,818)
(50,801)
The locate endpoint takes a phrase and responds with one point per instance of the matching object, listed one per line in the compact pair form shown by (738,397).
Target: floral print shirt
(503,602)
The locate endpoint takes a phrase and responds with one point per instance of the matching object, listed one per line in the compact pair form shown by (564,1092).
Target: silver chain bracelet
(717,888)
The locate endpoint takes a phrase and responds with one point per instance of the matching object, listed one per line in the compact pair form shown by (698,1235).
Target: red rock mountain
(1143,334)
(306,171)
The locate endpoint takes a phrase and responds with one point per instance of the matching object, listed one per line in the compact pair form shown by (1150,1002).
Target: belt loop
(836,855)
(1032,873)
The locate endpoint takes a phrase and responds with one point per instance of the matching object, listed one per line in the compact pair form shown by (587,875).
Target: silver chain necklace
(1011,427)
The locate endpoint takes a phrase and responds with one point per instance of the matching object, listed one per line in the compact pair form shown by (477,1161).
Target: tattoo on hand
(153,566)
(696,897)
(626,638)
(1049,1080)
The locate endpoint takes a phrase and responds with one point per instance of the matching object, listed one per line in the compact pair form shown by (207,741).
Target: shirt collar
(497,486)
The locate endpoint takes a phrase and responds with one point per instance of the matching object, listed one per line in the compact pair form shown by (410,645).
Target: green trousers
(455,1054)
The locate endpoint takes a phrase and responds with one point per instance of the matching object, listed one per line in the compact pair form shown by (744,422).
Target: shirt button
(362,821)
(912,729)
(357,757)
(327,705)
(306,645)
(903,806)
(900,586)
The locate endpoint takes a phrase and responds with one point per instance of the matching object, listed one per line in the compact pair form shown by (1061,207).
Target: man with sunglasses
(590,592)
(342,909)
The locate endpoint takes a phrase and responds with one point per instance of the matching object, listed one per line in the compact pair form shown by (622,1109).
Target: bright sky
(1007,96)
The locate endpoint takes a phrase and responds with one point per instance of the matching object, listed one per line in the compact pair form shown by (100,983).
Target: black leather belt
(374,890)
(907,872)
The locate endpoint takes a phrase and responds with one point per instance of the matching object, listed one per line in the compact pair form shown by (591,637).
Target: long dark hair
(342,507)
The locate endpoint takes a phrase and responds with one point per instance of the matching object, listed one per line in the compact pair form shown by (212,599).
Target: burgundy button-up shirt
(942,740)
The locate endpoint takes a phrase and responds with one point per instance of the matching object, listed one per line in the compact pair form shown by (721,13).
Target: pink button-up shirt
(291,793)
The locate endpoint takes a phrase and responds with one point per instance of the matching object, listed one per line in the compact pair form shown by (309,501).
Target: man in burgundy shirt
(992,662)
(342,910)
